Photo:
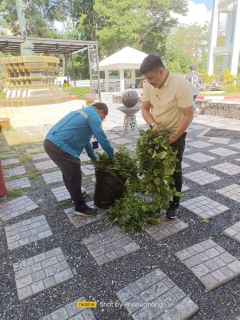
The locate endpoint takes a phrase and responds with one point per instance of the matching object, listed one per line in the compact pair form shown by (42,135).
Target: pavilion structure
(123,60)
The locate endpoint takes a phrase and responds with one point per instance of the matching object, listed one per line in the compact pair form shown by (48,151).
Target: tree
(186,46)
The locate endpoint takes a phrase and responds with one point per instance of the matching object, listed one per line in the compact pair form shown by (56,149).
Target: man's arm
(146,107)
(186,120)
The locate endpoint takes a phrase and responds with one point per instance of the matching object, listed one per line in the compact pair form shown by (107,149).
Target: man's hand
(114,159)
(155,127)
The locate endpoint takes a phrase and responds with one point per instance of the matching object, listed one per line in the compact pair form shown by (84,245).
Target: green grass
(25,157)
(16,192)
(80,91)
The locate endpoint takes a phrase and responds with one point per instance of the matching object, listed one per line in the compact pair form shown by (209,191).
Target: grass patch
(16,192)
(25,157)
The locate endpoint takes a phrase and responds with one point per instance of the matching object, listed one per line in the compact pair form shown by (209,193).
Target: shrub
(1,95)
(80,91)
(231,88)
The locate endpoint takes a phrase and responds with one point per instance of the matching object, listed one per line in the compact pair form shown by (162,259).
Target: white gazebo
(125,59)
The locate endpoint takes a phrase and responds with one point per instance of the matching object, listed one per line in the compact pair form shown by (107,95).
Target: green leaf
(169,171)
(162,155)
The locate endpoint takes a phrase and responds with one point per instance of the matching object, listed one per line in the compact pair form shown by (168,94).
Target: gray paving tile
(18,183)
(20,234)
(71,312)
(113,136)
(185,165)
(52,177)
(131,147)
(13,208)
(32,274)
(218,268)
(223,152)
(110,245)
(199,144)
(231,192)
(196,127)
(185,188)
(199,157)
(17,171)
(201,177)
(204,207)
(35,150)
(227,168)
(61,193)
(219,140)
(44,165)
(79,221)
(40,156)
(235,145)
(165,228)
(88,169)
(122,141)
(6,162)
(233,232)
(187,149)
(84,158)
(157,298)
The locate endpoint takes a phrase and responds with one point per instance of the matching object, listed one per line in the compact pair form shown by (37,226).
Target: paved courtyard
(181,269)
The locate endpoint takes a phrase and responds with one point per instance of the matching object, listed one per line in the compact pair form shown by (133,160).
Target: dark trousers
(179,146)
(71,172)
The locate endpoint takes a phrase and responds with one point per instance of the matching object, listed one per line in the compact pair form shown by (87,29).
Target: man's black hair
(192,68)
(150,63)
(101,106)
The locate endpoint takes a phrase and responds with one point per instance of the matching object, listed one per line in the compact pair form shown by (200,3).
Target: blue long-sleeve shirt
(74,131)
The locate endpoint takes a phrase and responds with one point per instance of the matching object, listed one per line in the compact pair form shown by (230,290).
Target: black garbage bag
(108,188)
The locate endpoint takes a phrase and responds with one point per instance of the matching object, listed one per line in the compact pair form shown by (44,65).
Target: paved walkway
(181,269)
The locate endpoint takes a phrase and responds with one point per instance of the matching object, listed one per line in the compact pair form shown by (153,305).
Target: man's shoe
(196,112)
(86,212)
(171,211)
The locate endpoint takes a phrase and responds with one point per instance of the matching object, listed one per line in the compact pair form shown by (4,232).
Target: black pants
(71,172)
(179,146)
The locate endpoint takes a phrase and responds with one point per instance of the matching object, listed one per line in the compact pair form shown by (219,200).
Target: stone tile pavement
(17,171)
(224,152)
(27,231)
(231,192)
(18,183)
(210,263)
(166,228)
(219,140)
(235,145)
(7,162)
(201,177)
(40,156)
(204,207)
(227,168)
(71,312)
(61,193)
(110,245)
(233,232)
(199,144)
(163,298)
(52,177)
(41,272)
(199,157)
(16,207)
(44,165)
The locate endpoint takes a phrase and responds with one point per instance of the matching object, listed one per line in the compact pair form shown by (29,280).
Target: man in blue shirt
(66,140)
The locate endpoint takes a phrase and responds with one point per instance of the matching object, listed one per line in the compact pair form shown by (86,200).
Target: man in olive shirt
(167,98)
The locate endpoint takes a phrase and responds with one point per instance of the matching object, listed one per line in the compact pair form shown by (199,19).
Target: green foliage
(1,95)
(228,81)
(133,213)
(184,47)
(124,169)
(157,163)
(149,180)
(79,91)
(207,78)
(231,88)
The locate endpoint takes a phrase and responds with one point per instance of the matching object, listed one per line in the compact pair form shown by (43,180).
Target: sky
(198,11)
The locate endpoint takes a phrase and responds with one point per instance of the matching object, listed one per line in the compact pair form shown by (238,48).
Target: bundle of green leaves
(155,162)
(124,170)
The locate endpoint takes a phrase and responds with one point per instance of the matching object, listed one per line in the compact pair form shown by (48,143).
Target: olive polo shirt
(166,102)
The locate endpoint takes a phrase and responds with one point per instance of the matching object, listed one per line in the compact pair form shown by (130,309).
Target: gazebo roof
(127,58)
(43,45)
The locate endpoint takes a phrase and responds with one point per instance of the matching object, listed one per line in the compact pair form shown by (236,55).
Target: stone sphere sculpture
(129,98)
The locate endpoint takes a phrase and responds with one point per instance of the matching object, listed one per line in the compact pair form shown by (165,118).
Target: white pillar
(106,80)
(133,76)
(121,71)
(213,37)
(236,42)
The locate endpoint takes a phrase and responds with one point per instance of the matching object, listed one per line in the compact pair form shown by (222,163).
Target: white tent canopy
(125,59)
